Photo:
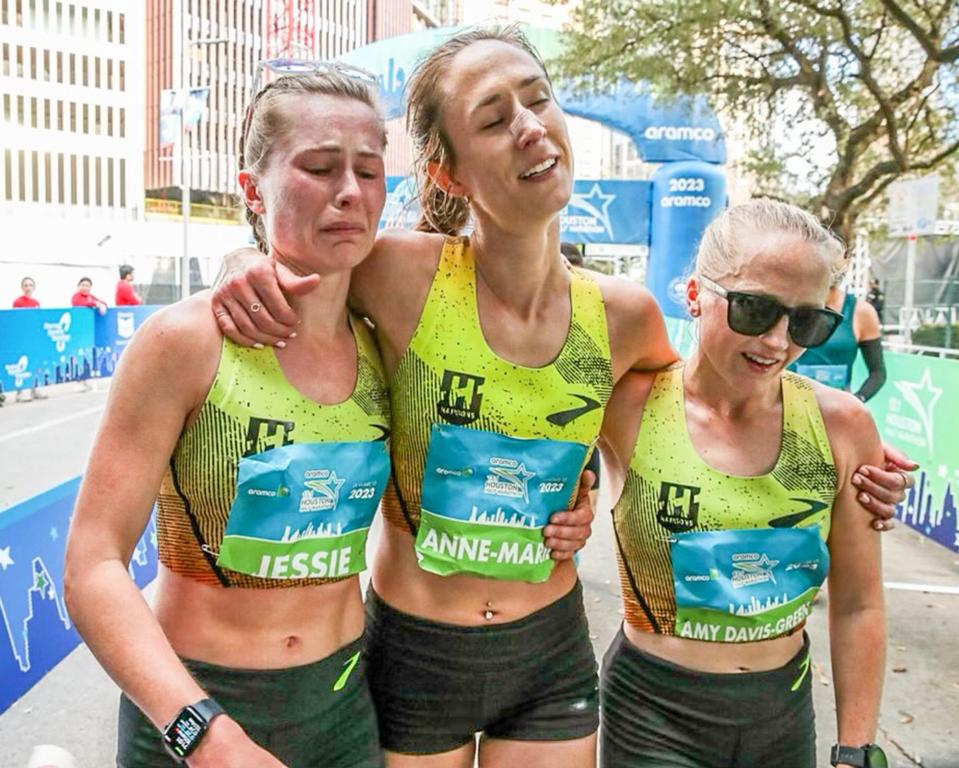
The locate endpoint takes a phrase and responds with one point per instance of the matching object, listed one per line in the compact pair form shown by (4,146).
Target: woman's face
(508,135)
(780,266)
(323,189)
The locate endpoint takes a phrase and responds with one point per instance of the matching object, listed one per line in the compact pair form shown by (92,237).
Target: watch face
(182,734)
(875,757)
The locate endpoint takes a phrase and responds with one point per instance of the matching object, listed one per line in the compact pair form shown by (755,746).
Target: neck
(519,268)
(835,298)
(727,399)
(322,312)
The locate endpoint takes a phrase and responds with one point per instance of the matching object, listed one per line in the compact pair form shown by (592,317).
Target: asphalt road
(45,443)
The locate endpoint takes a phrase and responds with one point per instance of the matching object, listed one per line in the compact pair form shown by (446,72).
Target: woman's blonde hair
(725,244)
(266,120)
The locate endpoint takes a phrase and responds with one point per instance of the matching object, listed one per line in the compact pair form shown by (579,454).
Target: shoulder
(865,321)
(849,424)
(401,261)
(626,299)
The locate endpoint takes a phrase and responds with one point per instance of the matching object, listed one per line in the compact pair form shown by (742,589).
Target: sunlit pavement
(46,442)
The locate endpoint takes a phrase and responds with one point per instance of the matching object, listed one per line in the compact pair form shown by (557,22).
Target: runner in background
(736,502)
(269,469)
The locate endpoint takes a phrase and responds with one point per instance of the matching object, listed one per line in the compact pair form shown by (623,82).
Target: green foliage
(875,82)
(937,336)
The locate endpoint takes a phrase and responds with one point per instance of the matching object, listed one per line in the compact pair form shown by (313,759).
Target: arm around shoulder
(637,329)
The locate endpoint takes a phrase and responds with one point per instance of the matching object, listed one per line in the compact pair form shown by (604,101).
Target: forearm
(872,355)
(123,633)
(858,649)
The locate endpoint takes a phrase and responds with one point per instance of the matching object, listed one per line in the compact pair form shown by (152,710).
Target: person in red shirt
(26,301)
(83,297)
(126,296)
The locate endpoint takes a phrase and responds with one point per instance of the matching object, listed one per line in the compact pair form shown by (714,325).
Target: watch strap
(848,755)
(207,709)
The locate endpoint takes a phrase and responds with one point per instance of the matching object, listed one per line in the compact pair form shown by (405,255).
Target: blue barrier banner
(36,632)
(45,346)
(599,210)
(113,332)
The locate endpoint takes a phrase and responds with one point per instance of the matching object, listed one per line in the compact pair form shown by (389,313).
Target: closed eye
(493,124)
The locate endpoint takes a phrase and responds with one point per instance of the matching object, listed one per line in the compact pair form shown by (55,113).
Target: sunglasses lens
(752,315)
(812,327)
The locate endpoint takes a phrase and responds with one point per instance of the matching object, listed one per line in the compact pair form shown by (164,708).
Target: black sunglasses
(752,315)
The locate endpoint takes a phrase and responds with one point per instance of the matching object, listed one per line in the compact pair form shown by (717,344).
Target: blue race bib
(304,511)
(486,499)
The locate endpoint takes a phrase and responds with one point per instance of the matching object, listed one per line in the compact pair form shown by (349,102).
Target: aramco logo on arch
(679,133)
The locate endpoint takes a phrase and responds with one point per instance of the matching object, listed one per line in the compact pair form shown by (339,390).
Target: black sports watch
(866,756)
(181,736)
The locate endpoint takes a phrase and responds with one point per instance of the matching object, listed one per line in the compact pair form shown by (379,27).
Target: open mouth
(538,170)
(758,361)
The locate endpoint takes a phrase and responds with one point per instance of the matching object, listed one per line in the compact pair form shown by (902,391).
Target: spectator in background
(83,297)
(126,296)
(572,253)
(26,301)
(876,297)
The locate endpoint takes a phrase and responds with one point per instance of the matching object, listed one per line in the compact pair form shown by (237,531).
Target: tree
(875,82)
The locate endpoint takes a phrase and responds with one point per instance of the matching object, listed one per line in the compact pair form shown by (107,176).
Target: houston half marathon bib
(746,585)
(304,511)
(486,499)
(835,376)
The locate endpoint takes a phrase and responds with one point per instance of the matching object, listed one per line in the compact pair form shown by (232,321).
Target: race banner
(35,629)
(39,347)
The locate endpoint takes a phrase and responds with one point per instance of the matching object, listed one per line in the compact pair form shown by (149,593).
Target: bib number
(746,585)
(486,499)
(304,511)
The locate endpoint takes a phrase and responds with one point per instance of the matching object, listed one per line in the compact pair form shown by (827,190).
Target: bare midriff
(257,628)
(459,599)
(719,658)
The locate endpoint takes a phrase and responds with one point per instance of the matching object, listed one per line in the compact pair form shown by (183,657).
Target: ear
(692,297)
(251,192)
(441,176)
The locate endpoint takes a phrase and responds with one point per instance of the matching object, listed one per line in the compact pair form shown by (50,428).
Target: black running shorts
(293,713)
(436,685)
(660,715)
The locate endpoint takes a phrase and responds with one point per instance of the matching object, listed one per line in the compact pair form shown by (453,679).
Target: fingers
(568,531)
(247,298)
(888,486)
(883,525)
(295,284)
(898,459)
(228,328)
(245,331)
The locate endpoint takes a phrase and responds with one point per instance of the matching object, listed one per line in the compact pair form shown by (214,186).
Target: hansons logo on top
(59,332)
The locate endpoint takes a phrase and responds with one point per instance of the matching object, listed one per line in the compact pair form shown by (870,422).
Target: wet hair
(84,280)
(266,119)
(441,212)
(125,269)
(23,280)
(725,243)
(572,253)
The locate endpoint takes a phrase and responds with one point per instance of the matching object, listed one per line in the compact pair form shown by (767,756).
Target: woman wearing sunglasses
(269,470)
(736,502)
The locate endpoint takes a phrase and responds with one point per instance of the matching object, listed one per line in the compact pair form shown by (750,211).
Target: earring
(694,311)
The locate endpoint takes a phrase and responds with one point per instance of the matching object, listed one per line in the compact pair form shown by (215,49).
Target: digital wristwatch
(866,756)
(182,735)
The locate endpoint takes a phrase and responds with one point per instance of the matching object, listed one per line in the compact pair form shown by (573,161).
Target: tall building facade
(216,45)
(72,131)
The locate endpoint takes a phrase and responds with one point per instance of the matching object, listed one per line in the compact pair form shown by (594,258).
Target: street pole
(909,299)
(184,163)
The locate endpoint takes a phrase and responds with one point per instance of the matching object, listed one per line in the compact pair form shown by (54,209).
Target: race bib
(486,499)
(746,585)
(304,511)
(835,376)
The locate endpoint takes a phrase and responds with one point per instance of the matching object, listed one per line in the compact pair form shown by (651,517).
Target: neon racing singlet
(268,488)
(485,450)
(712,556)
